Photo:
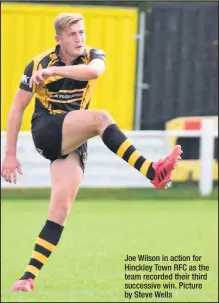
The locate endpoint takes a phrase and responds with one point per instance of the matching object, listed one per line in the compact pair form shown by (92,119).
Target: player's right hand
(10,167)
(39,76)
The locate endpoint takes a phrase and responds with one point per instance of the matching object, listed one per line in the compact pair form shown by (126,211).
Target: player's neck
(65,57)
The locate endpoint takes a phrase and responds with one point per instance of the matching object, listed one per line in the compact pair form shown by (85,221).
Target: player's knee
(59,210)
(103,119)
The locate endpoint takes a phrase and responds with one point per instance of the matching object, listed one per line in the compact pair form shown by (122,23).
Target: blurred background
(162,75)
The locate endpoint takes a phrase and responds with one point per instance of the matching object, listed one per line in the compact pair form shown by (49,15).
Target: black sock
(118,143)
(45,244)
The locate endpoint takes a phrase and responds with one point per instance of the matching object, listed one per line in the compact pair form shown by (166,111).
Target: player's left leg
(79,126)
(66,176)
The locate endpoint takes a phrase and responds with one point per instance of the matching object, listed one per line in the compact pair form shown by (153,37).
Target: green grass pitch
(88,264)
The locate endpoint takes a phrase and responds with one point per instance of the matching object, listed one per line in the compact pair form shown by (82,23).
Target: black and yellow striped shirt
(57,94)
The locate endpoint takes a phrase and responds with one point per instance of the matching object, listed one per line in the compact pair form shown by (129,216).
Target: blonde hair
(65,20)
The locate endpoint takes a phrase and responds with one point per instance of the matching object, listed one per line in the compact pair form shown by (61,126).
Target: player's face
(72,39)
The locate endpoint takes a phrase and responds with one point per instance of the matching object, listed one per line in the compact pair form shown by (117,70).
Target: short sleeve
(25,79)
(97,54)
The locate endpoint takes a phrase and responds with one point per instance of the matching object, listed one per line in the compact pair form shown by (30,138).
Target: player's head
(70,34)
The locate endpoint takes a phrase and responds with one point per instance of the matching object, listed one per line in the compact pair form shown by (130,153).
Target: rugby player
(62,80)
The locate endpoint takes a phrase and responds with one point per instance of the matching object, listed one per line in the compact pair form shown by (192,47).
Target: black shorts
(47,137)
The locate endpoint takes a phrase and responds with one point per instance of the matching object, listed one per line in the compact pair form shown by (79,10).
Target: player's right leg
(79,126)
(66,176)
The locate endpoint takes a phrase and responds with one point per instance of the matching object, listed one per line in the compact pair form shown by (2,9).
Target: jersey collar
(57,50)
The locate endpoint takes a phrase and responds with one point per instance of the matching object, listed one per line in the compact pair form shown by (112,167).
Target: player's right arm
(23,96)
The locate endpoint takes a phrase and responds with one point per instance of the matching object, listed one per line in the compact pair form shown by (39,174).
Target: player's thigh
(79,126)
(66,177)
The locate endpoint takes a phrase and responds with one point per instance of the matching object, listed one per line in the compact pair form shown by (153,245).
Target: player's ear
(57,38)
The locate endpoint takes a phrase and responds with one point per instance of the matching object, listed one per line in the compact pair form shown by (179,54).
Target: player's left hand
(40,76)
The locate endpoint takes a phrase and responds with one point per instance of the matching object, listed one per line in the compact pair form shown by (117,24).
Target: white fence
(104,169)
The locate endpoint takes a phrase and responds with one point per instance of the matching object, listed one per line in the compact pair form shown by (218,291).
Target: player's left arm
(81,72)
(96,68)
